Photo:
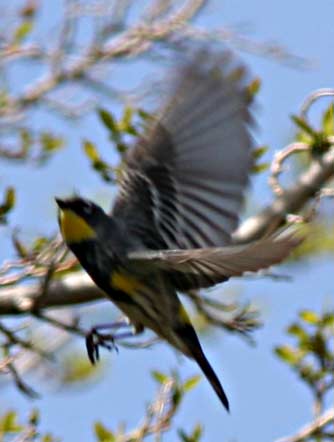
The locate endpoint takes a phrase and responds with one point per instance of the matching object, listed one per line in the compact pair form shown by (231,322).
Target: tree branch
(292,200)
(132,42)
(311,429)
(76,288)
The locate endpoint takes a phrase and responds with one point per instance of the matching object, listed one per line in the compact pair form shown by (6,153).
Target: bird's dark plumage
(181,191)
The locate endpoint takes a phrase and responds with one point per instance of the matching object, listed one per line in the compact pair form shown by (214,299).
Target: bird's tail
(186,340)
(175,326)
(211,376)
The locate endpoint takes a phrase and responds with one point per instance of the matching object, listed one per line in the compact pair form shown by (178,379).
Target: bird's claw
(95,340)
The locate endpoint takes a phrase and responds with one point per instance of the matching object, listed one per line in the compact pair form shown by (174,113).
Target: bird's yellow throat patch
(74,228)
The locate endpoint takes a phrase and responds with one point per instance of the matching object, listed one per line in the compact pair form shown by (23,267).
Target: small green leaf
(34,417)
(177,396)
(96,161)
(288,354)
(306,344)
(126,120)
(309,316)
(22,31)
(8,423)
(39,243)
(47,438)
(91,151)
(328,320)
(313,357)
(8,203)
(320,144)
(108,120)
(193,437)
(298,331)
(191,383)
(183,435)
(301,123)
(20,248)
(328,120)
(10,198)
(308,373)
(159,377)
(144,115)
(121,147)
(50,142)
(102,433)
(319,346)
(258,168)
(259,152)
(303,137)
(198,432)
(253,88)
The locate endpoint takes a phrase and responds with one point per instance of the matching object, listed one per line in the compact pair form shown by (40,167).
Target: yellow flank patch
(124,282)
(184,315)
(74,228)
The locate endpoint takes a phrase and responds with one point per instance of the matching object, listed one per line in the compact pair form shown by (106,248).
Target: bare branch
(132,42)
(310,100)
(313,429)
(19,382)
(13,339)
(159,414)
(292,200)
(76,288)
(277,164)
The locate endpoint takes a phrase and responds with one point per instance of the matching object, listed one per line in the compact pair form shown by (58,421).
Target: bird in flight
(181,191)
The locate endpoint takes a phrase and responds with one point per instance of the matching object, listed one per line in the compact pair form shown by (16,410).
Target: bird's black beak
(62,204)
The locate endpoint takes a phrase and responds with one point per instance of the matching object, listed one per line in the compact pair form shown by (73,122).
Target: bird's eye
(87,209)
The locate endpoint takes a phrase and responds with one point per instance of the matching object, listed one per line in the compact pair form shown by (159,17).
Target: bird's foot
(95,340)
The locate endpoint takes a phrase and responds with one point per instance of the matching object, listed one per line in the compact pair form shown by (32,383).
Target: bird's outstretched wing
(183,183)
(200,268)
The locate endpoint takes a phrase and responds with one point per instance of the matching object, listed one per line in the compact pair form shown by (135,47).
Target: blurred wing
(200,268)
(183,183)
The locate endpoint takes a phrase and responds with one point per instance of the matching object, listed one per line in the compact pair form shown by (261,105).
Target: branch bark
(78,288)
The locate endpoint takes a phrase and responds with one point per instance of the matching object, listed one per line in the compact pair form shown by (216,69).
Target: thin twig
(20,384)
(16,340)
(293,199)
(159,415)
(72,328)
(280,157)
(312,98)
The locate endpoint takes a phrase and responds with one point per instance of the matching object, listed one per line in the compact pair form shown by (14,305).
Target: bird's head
(80,219)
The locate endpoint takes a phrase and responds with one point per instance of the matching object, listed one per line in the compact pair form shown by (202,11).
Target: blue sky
(266,400)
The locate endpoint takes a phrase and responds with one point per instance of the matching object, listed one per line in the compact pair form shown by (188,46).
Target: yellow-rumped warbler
(181,191)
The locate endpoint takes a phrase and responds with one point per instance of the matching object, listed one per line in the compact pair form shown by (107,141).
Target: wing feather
(185,179)
(200,268)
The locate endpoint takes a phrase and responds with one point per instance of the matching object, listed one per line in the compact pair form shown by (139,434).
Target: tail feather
(186,340)
(211,376)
